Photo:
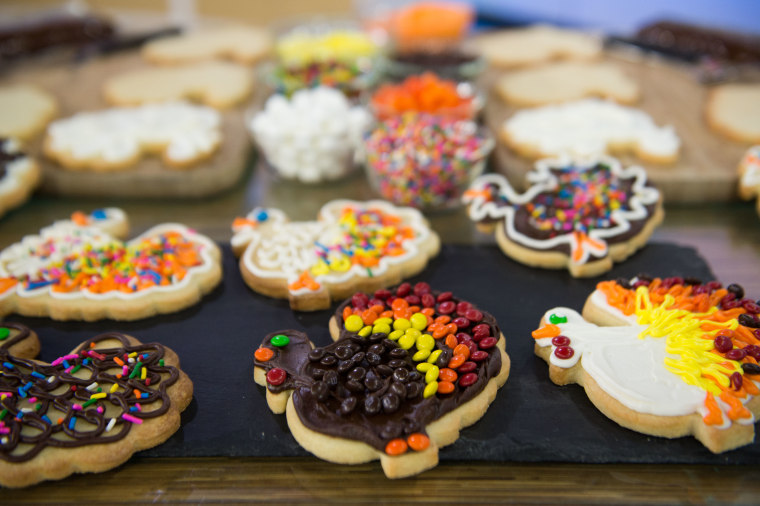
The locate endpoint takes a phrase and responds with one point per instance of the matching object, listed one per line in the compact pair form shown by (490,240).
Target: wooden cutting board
(706,170)
(78,88)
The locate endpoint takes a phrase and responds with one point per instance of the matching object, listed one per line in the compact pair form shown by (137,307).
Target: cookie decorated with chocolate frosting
(407,370)
(579,215)
(666,357)
(87,411)
(80,269)
(351,246)
(19,175)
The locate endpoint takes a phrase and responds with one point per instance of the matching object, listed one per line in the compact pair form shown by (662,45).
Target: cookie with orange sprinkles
(80,269)
(666,357)
(351,246)
(87,411)
(408,369)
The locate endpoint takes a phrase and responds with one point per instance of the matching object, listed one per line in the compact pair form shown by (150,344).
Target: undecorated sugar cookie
(352,246)
(87,411)
(79,269)
(589,127)
(243,44)
(733,110)
(26,111)
(409,368)
(665,357)
(579,215)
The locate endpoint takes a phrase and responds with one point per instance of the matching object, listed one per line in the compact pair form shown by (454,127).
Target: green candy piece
(280,340)
(554,319)
(4,333)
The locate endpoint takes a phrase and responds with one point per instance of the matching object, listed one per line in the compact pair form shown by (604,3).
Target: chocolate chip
(415,376)
(372,404)
(396,363)
(357,373)
(623,283)
(345,365)
(343,352)
(373,384)
(399,389)
(317,373)
(401,374)
(373,358)
(377,349)
(398,353)
(749,321)
(413,390)
(328,360)
(737,290)
(356,338)
(444,358)
(377,337)
(316,354)
(389,345)
(331,378)
(384,370)
(354,386)
(690,280)
(357,357)
(750,368)
(348,405)
(320,390)
(391,403)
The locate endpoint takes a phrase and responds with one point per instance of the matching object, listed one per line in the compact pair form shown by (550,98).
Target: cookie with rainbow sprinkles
(87,411)
(582,215)
(667,357)
(80,269)
(409,367)
(351,246)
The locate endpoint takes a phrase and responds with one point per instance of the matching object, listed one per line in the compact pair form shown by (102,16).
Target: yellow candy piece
(419,321)
(381,328)
(434,356)
(406,341)
(386,321)
(421,355)
(430,389)
(320,268)
(401,324)
(424,366)
(395,335)
(413,333)
(354,323)
(366,331)
(425,342)
(431,374)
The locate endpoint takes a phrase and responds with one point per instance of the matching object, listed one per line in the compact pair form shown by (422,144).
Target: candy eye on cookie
(408,369)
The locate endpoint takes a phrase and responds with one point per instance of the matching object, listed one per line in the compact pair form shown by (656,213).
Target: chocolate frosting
(386,388)
(63,394)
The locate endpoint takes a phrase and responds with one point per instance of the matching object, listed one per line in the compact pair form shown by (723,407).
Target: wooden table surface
(726,235)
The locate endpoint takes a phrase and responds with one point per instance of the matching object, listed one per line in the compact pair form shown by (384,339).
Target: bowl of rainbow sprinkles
(425,161)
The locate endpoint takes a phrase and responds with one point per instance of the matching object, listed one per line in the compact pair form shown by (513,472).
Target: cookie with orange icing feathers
(665,357)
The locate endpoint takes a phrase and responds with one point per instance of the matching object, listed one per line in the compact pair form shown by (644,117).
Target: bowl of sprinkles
(425,161)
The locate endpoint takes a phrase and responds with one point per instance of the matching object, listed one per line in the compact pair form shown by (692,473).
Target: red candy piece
(723,343)
(473,315)
(479,355)
(468,366)
(564,352)
(444,296)
(461,322)
(446,307)
(404,289)
(736,354)
(468,379)
(421,289)
(480,331)
(487,343)
(462,308)
(427,300)
(560,341)
(276,376)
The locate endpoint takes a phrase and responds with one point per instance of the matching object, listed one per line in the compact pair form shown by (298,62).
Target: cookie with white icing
(560,82)
(89,410)
(19,175)
(243,44)
(214,83)
(537,44)
(79,269)
(182,134)
(589,127)
(665,357)
(733,110)
(351,246)
(26,110)
(749,175)
(582,215)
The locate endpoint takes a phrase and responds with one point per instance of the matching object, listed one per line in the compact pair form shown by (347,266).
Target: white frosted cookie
(589,127)
(537,44)
(564,81)
(26,111)
(80,269)
(663,357)
(243,44)
(749,175)
(213,83)
(351,246)
(733,110)
(117,138)
(19,175)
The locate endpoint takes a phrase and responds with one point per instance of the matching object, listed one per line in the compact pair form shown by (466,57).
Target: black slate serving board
(531,420)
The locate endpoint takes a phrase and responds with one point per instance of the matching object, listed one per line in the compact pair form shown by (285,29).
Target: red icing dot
(276,376)
(560,341)
(564,352)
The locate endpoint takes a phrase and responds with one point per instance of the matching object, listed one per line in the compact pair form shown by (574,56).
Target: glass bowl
(424,103)
(417,167)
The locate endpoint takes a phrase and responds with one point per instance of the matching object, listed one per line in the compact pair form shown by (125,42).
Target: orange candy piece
(396,447)
(451,341)
(263,354)
(445,387)
(456,361)
(418,441)
(423,93)
(447,375)
(462,349)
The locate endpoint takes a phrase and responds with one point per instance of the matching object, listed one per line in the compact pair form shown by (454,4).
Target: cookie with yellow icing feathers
(80,269)
(665,357)
(351,246)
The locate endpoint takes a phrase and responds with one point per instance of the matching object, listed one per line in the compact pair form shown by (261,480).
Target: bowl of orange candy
(426,93)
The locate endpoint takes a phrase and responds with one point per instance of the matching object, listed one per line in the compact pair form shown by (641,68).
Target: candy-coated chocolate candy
(280,340)
(354,323)
(276,376)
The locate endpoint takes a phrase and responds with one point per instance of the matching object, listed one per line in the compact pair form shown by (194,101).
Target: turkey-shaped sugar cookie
(749,171)
(352,246)
(87,411)
(582,215)
(665,357)
(79,269)
(19,174)
(408,369)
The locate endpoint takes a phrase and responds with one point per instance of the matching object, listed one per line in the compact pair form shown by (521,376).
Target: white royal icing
(286,249)
(184,131)
(542,181)
(16,171)
(587,127)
